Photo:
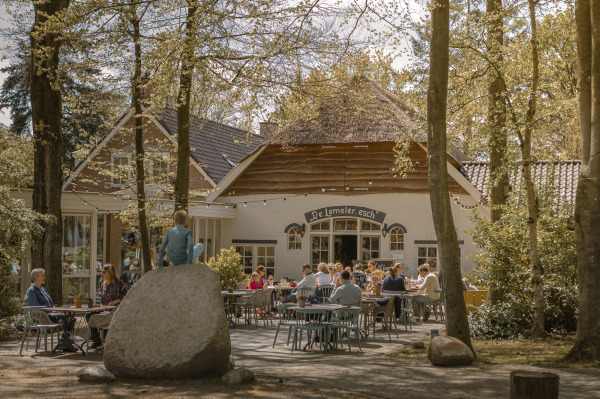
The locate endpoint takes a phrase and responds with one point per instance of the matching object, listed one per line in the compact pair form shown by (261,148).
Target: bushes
(228,264)
(504,264)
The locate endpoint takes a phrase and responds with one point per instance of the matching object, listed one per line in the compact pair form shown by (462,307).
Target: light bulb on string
(245,204)
(264,202)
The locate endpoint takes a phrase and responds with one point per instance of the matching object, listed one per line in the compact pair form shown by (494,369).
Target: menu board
(381,264)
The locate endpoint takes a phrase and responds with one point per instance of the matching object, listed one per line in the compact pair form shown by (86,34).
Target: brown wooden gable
(314,168)
(93,176)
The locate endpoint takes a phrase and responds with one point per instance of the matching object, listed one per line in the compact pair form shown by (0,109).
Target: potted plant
(90,302)
(302,300)
(230,290)
(78,301)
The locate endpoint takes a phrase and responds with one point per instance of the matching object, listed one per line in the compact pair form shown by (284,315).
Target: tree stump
(533,385)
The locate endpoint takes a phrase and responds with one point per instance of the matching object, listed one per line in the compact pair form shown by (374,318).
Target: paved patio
(369,373)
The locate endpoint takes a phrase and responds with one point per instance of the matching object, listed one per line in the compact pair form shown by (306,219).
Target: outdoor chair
(265,305)
(345,320)
(249,305)
(388,316)
(286,319)
(438,306)
(405,311)
(366,312)
(37,320)
(102,323)
(325,291)
(309,320)
(241,285)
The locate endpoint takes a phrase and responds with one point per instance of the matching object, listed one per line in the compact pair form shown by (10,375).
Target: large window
(76,252)
(345,224)
(396,239)
(294,238)
(369,247)
(427,255)
(254,255)
(99,254)
(320,226)
(159,168)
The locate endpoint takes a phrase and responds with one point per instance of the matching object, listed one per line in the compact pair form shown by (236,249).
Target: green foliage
(228,264)
(504,264)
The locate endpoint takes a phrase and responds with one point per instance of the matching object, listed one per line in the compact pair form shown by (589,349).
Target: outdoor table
(227,298)
(67,343)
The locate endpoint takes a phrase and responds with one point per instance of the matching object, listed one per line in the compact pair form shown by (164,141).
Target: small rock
(237,376)
(417,344)
(95,374)
(449,351)
(231,362)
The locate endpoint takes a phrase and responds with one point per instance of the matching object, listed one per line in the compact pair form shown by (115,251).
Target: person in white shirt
(428,295)
(323,277)
(307,286)
(333,273)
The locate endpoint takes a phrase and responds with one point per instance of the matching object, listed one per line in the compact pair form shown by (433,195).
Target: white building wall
(256,222)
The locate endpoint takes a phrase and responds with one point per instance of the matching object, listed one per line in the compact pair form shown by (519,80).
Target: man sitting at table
(38,296)
(429,287)
(307,286)
(346,294)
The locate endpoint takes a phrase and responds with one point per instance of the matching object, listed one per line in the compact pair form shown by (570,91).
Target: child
(179,240)
(255,284)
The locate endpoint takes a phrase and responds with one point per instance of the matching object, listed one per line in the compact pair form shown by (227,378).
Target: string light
(264,202)
(245,204)
(347,187)
(370,181)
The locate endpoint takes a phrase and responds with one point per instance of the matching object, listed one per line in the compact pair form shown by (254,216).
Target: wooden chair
(388,315)
(102,323)
(37,320)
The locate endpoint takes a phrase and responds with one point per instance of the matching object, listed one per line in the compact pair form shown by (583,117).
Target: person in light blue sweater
(180,242)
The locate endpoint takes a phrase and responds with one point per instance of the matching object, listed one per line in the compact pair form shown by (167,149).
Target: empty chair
(346,320)
(102,323)
(309,320)
(286,319)
(36,320)
(405,311)
(388,315)
(438,306)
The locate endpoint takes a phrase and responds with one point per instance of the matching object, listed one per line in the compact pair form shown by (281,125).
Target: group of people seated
(112,292)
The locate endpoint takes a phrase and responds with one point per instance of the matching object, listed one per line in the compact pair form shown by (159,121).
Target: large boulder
(171,324)
(449,351)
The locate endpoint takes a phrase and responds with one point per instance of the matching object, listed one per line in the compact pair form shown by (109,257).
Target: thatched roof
(360,112)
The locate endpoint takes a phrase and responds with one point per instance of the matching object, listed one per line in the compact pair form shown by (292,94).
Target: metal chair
(346,319)
(325,291)
(36,320)
(286,319)
(438,306)
(405,311)
(309,320)
(250,304)
(101,322)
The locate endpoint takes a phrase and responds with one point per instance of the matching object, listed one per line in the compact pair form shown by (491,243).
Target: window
(369,247)
(160,168)
(294,238)
(76,250)
(320,226)
(396,239)
(368,226)
(252,256)
(344,225)
(427,255)
(120,170)
(320,250)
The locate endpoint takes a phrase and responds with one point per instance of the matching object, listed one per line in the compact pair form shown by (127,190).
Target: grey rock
(171,324)
(449,351)
(417,344)
(95,374)
(238,376)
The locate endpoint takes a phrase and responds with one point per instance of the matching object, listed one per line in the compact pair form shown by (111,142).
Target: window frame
(253,264)
(392,242)
(119,155)
(296,243)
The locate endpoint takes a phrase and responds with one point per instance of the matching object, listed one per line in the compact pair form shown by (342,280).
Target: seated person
(323,277)
(261,270)
(333,274)
(38,296)
(346,294)
(429,286)
(394,282)
(307,286)
(374,281)
(370,269)
(255,283)
(360,277)
(111,292)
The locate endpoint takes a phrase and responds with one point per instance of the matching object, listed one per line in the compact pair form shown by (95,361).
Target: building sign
(381,264)
(344,210)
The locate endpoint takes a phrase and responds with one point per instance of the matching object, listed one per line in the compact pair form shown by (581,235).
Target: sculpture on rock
(171,324)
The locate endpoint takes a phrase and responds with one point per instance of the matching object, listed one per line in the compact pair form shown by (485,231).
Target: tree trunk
(182,179)
(587,204)
(46,109)
(140,177)
(538,330)
(437,96)
(497,122)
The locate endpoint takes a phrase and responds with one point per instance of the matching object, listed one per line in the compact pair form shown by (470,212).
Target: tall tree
(136,84)
(457,324)
(587,204)
(46,104)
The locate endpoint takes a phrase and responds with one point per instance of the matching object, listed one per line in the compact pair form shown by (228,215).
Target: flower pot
(230,290)
(78,303)
(377,290)
(90,304)
(301,303)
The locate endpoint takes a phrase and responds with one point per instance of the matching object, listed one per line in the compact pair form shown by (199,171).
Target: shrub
(228,264)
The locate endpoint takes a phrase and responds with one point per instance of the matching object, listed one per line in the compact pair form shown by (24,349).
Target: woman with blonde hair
(374,280)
